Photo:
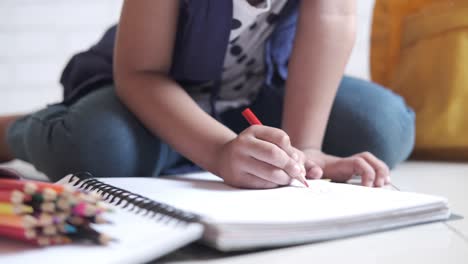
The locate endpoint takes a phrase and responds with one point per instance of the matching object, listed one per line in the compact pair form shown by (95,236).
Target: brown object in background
(420,51)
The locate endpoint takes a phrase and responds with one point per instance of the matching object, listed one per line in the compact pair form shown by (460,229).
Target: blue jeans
(98,134)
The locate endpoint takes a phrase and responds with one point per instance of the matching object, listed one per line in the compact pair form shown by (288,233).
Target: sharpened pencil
(13,196)
(20,221)
(253,120)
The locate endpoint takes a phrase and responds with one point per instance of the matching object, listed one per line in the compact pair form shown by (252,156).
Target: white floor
(442,242)
(445,242)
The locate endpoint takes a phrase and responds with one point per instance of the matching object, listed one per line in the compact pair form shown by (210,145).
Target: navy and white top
(244,64)
(200,49)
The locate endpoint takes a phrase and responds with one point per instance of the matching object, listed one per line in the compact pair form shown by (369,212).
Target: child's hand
(259,157)
(373,171)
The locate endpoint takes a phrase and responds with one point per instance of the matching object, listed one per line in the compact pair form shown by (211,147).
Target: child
(179,76)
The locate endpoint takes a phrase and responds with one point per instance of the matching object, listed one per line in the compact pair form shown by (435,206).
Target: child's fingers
(275,136)
(275,156)
(250,181)
(381,169)
(313,170)
(343,169)
(362,168)
(267,172)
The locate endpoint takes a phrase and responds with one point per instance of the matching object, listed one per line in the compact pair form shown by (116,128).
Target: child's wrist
(217,164)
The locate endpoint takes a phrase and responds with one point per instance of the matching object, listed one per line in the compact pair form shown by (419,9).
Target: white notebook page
(209,197)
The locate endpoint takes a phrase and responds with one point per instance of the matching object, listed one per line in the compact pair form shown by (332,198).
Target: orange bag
(419,49)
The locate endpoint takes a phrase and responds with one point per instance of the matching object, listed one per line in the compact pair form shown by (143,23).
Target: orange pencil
(45,185)
(26,221)
(37,185)
(253,120)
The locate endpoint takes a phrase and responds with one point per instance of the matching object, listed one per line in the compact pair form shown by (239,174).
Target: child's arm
(324,40)
(257,158)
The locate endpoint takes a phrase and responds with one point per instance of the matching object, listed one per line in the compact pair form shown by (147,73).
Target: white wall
(359,62)
(37,37)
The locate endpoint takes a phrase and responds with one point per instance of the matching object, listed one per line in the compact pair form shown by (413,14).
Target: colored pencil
(253,120)
(63,204)
(50,240)
(67,229)
(13,196)
(84,209)
(23,221)
(55,187)
(46,214)
(97,219)
(44,219)
(87,233)
(48,230)
(49,194)
(59,240)
(33,186)
(12,209)
(24,186)
(251,117)
(18,233)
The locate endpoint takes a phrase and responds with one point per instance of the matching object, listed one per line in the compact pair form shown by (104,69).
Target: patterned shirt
(244,65)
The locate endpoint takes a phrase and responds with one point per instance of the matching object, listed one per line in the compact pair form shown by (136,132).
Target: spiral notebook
(155,216)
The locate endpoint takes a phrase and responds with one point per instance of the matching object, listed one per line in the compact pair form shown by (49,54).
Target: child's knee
(107,142)
(391,130)
(57,150)
(368,117)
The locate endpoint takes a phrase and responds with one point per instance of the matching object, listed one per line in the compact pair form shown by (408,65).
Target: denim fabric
(98,134)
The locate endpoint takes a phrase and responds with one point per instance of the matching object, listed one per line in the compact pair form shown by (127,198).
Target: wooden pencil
(20,221)
(14,209)
(47,230)
(18,233)
(84,209)
(33,186)
(46,214)
(13,196)
(24,186)
(88,233)
(79,220)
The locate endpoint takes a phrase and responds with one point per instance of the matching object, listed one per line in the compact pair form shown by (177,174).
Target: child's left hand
(373,171)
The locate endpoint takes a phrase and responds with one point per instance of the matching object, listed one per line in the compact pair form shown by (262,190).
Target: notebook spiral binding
(132,201)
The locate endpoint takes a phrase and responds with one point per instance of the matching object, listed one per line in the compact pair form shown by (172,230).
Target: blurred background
(38,37)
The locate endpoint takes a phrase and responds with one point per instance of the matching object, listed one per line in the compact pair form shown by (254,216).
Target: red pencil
(13,196)
(17,233)
(253,120)
(250,117)
(23,186)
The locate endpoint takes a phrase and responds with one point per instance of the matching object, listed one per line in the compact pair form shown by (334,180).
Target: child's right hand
(260,157)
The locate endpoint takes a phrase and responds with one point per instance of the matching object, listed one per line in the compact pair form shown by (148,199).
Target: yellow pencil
(10,209)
